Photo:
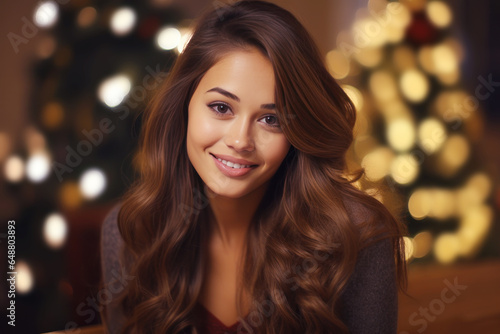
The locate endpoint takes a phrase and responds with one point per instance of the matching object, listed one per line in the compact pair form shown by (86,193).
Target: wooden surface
(474,307)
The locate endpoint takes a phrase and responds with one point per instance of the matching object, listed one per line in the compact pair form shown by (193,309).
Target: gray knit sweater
(369,303)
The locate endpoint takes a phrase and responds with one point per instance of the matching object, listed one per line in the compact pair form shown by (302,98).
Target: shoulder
(369,301)
(358,211)
(113,270)
(371,219)
(111,239)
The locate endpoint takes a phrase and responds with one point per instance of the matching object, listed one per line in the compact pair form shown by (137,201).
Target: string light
(439,13)
(422,244)
(55,230)
(414,85)
(404,169)
(14,169)
(168,38)
(377,163)
(46,14)
(113,90)
(123,21)
(92,183)
(431,135)
(401,134)
(338,64)
(38,167)
(24,277)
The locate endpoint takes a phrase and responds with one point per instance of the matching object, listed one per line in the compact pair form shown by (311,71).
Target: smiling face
(233,137)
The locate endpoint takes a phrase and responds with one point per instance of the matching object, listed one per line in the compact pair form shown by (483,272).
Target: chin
(231,193)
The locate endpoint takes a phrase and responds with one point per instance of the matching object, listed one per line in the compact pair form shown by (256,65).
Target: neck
(230,218)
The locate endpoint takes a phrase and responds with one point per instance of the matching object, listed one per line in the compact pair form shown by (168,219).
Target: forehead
(242,70)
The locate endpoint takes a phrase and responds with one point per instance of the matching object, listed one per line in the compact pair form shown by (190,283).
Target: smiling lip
(230,171)
(234,160)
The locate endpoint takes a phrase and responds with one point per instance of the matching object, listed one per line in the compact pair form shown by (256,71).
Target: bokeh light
(439,13)
(24,277)
(453,155)
(34,139)
(113,90)
(401,134)
(404,58)
(446,247)
(475,226)
(123,21)
(69,195)
(422,244)
(46,14)
(431,135)
(414,85)
(92,183)
(395,109)
(55,230)
(369,57)
(480,185)
(444,59)
(377,163)
(425,59)
(383,86)
(52,115)
(443,203)
(400,15)
(404,169)
(168,38)
(86,17)
(14,169)
(338,64)
(38,167)
(46,47)
(419,204)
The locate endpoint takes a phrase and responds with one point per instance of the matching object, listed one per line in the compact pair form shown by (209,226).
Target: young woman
(244,218)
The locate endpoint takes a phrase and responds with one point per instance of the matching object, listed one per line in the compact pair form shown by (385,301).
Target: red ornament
(421,31)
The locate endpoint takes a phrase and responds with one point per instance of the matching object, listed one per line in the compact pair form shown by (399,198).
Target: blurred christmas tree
(96,65)
(416,125)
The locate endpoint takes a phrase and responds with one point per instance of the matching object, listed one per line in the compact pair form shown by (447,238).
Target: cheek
(202,132)
(276,150)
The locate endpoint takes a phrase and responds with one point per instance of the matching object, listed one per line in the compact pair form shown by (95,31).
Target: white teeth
(233,165)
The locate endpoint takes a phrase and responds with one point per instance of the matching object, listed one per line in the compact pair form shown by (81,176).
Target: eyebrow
(269,106)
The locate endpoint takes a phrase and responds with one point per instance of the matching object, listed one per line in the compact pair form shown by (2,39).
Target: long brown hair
(311,206)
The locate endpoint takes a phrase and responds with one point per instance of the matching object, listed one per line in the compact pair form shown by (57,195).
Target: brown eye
(219,108)
(271,120)
(222,108)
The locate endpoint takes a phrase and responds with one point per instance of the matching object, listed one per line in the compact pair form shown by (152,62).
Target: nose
(239,135)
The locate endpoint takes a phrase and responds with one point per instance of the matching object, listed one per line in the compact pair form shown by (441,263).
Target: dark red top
(369,303)
(210,324)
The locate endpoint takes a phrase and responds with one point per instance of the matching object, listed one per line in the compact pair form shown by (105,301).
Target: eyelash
(213,107)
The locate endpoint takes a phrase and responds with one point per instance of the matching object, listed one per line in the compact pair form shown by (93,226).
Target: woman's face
(232,117)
